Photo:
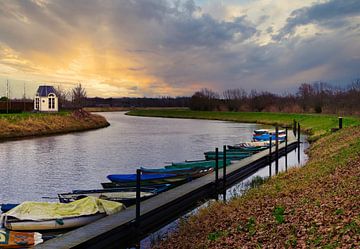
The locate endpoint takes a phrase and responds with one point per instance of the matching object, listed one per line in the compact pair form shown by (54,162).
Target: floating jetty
(137,222)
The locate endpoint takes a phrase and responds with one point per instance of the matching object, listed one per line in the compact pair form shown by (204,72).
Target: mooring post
(277,149)
(286,148)
(340,122)
(270,145)
(224,174)
(138,184)
(217,173)
(294,128)
(298,137)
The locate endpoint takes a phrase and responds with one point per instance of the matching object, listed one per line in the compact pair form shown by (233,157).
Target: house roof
(44,91)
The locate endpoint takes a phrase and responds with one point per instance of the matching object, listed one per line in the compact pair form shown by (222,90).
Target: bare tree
(78,96)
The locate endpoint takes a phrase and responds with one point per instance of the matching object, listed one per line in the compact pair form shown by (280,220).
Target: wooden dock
(121,230)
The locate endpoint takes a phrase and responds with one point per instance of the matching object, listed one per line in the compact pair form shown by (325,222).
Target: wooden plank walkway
(118,230)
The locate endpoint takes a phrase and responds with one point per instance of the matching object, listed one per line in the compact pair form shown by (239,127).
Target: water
(33,168)
(294,159)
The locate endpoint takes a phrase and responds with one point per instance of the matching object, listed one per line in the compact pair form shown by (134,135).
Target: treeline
(318,97)
(138,102)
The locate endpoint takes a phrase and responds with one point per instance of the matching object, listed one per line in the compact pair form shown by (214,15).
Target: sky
(136,48)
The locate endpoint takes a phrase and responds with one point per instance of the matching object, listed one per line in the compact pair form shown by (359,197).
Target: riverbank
(315,125)
(313,206)
(22,125)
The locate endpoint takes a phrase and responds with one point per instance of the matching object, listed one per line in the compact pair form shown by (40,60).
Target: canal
(42,167)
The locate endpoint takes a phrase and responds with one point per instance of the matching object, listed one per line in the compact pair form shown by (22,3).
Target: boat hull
(53,224)
(126,198)
(197,164)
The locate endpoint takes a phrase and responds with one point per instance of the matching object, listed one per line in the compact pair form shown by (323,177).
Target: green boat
(245,149)
(197,164)
(231,155)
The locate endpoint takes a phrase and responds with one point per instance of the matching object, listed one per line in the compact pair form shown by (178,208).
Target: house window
(51,101)
(37,103)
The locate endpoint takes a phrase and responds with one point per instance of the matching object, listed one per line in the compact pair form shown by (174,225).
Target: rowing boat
(231,155)
(37,216)
(127,180)
(125,195)
(189,172)
(196,164)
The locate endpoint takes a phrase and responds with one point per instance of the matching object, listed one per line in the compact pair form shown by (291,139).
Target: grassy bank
(107,109)
(315,125)
(316,206)
(20,125)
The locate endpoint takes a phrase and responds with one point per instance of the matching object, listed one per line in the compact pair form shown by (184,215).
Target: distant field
(315,125)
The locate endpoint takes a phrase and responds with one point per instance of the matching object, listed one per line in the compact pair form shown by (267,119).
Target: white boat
(52,224)
(39,216)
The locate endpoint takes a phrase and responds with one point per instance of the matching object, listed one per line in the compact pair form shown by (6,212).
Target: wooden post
(298,137)
(340,122)
(224,174)
(270,145)
(277,149)
(138,184)
(294,127)
(217,173)
(286,148)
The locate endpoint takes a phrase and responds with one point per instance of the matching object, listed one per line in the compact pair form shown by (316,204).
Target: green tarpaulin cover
(50,210)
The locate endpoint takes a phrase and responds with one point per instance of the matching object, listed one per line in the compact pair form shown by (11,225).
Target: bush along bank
(313,206)
(14,126)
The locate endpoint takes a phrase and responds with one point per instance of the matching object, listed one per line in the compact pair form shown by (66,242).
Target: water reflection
(33,168)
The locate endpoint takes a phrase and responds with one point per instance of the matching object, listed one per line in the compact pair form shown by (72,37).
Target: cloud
(332,14)
(171,47)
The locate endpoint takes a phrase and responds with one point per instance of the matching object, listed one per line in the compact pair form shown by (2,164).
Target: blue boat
(8,206)
(195,172)
(265,134)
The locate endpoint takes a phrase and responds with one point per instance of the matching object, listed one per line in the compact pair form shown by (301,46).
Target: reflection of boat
(196,164)
(127,180)
(265,134)
(36,216)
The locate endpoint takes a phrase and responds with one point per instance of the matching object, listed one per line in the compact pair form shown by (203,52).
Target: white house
(46,99)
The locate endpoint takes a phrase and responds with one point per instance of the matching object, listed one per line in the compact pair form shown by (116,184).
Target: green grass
(14,117)
(313,206)
(315,125)
(39,124)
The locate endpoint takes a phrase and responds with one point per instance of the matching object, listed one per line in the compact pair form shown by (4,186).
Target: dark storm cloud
(175,43)
(205,31)
(331,14)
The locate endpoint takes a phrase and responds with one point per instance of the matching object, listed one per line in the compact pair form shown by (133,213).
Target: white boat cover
(51,210)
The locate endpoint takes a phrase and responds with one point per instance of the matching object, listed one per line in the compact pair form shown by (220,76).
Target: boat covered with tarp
(196,164)
(37,216)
